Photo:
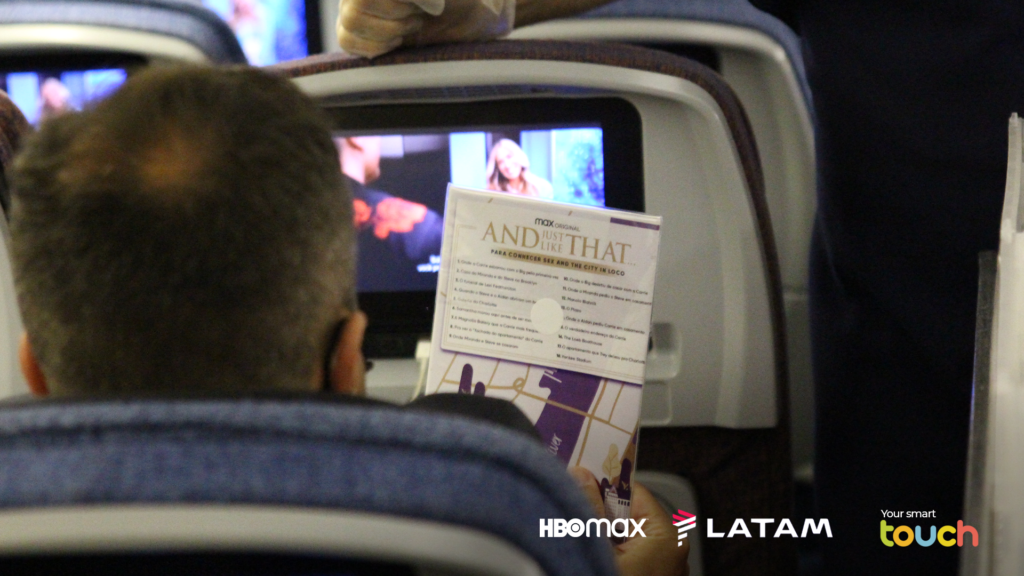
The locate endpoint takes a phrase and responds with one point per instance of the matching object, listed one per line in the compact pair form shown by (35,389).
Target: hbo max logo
(560,527)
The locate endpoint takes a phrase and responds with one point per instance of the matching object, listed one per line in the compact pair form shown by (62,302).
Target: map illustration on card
(548,305)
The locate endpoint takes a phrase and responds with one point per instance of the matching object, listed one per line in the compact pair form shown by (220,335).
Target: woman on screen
(508,170)
(54,98)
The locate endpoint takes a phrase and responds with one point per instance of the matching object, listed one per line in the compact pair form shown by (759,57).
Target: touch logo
(905,536)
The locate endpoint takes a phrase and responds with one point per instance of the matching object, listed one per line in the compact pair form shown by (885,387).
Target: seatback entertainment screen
(270,31)
(399,158)
(399,183)
(43,93)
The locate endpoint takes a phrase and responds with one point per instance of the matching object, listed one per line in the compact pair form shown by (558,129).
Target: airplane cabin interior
(698,112)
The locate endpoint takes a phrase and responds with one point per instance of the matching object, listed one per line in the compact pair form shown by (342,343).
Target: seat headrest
(728,12)
(305,453)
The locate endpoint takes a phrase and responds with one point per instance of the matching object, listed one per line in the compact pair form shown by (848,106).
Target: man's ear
(30,368)
(348,375)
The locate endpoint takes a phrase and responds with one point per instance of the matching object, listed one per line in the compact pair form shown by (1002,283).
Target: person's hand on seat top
(372,27)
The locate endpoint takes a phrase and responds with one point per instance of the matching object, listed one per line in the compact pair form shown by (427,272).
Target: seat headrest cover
(298,453)
(734,12)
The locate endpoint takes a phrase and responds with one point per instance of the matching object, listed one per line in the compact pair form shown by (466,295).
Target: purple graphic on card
(623,488)
(466,383)
(560,428)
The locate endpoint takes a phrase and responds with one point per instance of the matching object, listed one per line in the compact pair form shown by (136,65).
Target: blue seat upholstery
(736,12)
(181,19)
(300,453)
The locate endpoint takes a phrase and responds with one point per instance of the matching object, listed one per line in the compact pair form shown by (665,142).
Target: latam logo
(684,521)
(785,528)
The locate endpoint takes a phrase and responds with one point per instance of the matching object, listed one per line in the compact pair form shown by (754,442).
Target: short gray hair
(190,234)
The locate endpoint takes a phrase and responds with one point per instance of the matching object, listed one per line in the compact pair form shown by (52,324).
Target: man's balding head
(190,233)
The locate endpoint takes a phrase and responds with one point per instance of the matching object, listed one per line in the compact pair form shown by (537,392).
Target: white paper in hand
(547,284)
(548,306)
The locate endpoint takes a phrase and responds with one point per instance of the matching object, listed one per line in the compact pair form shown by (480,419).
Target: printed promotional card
(549,306)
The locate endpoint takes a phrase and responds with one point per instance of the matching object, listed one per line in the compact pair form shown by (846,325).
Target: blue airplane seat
(180,19)
(285,456)
(735,12)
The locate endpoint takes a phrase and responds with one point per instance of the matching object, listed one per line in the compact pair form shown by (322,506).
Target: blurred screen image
(269,31)
(42,94)
(399,183)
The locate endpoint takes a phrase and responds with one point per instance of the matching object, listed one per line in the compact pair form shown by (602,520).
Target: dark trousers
(892,426)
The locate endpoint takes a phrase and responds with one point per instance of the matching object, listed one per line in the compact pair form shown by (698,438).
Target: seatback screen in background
(400,157)
(399,183)
(48,92)
(269,31)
